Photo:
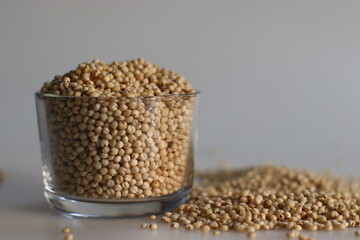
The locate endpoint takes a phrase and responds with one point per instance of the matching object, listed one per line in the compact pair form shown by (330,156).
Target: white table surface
(24,214)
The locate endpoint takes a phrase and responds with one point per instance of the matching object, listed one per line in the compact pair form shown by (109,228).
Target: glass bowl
(117,157)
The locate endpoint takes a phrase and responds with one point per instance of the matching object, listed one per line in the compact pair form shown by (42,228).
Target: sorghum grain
(303,237)
(216,233)
(153,226)
(292,234)
(124,136)
(65,230)
(205,228)
(189,227)
(174,225)
(69,237)
(271,197)
(165,219)
(251,235)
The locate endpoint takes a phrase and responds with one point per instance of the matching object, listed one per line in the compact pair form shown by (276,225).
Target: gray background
(279,79)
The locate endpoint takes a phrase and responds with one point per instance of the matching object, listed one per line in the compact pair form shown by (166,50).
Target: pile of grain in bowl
(137,78)
(269,197)
(120,130)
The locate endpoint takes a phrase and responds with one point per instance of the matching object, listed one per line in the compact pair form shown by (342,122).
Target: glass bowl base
(123,208)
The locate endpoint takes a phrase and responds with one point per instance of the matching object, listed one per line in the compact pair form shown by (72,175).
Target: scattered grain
(271,197)
(205,228)
(69,237)
(216,233)
(189,227)
(251,235)
(153,226)
(175,225)
(292,234)
(65,230)
(303,237)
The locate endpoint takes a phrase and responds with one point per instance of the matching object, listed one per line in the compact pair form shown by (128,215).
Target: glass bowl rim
(46,95)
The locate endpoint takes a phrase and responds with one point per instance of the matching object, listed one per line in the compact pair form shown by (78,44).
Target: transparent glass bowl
(117,157)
